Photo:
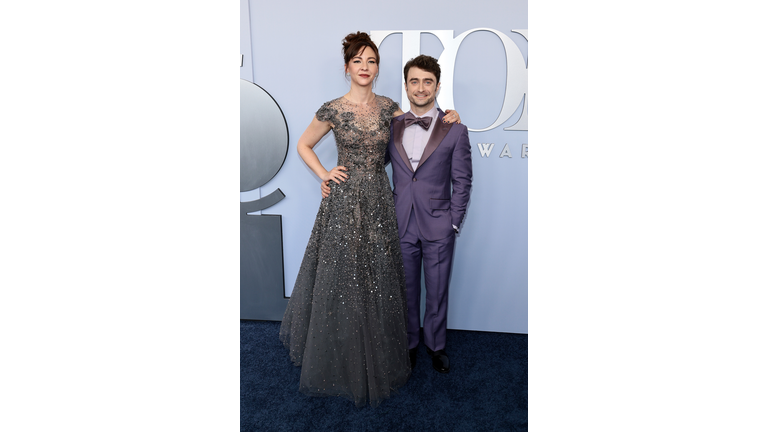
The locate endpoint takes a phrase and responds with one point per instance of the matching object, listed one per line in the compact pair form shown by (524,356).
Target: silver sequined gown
(345,324)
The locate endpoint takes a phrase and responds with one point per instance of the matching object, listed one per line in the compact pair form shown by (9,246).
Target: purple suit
(426,210)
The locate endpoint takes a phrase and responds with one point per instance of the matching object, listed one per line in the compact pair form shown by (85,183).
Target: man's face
(421,87)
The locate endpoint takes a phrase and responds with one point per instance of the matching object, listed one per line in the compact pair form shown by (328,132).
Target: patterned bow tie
(422,121)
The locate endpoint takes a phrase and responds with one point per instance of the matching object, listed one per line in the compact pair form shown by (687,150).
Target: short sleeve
(325,113)
(390,108)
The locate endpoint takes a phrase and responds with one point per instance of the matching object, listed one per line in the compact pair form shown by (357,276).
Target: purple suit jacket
(446,162)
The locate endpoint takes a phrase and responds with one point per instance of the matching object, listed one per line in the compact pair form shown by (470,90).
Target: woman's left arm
(451,116)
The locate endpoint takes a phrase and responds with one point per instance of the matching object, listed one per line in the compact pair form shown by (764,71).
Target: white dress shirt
(415,138)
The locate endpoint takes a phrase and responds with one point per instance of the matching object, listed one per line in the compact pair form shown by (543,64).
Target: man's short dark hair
(423,62)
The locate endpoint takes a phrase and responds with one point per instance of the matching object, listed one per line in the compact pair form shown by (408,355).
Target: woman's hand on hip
(336,174)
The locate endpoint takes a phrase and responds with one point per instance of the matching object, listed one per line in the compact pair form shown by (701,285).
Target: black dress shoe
(412,353)
(439,360)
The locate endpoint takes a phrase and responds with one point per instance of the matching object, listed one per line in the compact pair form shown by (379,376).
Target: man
(426,163)
(432,176)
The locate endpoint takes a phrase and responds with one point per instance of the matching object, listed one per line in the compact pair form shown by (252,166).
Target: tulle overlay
(345,324)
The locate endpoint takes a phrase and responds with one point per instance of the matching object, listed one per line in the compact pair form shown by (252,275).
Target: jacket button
(414,179)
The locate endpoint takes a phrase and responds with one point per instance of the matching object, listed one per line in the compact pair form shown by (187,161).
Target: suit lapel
(438,133)
(399,130)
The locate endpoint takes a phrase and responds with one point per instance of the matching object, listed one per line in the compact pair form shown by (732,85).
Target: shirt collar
(431,113)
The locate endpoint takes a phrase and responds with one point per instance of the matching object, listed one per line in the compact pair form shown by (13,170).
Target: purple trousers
(437,257)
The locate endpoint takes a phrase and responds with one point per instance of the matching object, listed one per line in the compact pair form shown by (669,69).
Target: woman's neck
(360,95)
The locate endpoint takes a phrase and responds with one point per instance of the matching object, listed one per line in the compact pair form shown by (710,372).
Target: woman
(345,323)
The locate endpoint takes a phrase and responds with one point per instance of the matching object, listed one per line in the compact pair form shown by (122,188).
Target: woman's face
(363,68)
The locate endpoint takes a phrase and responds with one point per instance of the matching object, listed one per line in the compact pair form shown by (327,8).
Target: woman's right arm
(311,136)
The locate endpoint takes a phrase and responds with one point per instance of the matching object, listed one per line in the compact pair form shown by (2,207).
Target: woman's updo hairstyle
(356,42)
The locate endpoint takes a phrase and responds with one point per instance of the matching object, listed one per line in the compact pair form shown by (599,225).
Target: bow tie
(422,121)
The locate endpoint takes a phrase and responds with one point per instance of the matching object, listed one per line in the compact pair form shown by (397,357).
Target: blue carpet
(486,389)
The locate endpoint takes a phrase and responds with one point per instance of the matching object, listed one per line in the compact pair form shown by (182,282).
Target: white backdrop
(297,59)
